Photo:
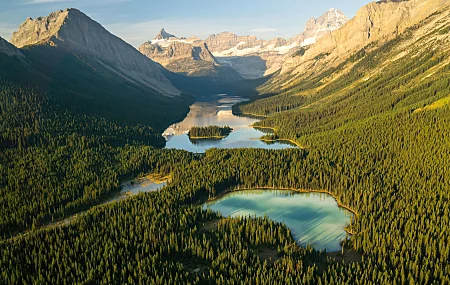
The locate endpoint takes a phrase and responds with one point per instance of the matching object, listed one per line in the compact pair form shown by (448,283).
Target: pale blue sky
(137,21)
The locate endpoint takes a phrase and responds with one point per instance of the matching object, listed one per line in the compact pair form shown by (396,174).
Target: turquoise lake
(313,218)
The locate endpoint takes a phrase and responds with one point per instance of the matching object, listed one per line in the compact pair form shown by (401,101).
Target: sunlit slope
(409,72)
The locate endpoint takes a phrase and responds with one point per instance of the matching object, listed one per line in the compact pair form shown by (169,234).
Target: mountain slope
(373,25)
(76,33)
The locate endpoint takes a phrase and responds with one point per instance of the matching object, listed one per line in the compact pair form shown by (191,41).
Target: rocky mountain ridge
(254,58)
(75,32)
(186,56)
(373,25)
(249,56)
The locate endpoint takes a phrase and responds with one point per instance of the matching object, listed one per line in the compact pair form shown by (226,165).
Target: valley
(332,165)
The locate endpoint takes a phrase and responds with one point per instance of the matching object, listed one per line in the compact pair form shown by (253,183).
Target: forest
(209,132)
(379,145)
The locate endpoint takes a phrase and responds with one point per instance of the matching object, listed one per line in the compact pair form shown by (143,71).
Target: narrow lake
(313,218)
(218,113)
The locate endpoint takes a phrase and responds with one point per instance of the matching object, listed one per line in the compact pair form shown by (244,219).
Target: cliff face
(191,57)
(254,58)
(75,32)
(318,28)
(176,50)
(375,23)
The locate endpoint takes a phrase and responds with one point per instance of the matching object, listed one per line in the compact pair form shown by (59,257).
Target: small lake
(134,187)
(218,113)
(313,218)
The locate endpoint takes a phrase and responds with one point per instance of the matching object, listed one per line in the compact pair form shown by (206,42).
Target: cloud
(264,30)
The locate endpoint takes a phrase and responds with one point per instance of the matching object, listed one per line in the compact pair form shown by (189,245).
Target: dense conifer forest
(380,144)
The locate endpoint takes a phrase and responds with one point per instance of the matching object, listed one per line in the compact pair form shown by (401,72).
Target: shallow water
(218,113)
(130,188)
(313,218)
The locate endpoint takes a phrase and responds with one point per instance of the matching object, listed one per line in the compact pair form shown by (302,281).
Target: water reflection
(314,219)
(218,113)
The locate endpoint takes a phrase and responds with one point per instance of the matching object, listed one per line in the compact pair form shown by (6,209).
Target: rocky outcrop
(9,49)
(76,33)
(176,50)
(163,35)
(186,56)
(318,28)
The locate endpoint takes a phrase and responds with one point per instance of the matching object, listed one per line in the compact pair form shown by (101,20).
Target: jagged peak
(41,29)
(163,35)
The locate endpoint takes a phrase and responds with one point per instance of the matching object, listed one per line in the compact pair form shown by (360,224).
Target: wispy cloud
(264,30)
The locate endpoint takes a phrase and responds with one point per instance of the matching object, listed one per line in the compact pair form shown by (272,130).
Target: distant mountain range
(249,56)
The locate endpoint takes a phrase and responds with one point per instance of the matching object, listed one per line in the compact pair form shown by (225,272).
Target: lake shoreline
(339,203)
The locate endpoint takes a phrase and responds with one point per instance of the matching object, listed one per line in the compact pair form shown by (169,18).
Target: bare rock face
(325,24)
(377,22)
(227,41)
(187,56)
(176,50)
(163,35)
(77,33)
(9,49)
(255,58)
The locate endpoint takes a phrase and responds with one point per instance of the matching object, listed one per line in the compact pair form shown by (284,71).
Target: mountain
(163,35)
(397,44)
(190,57)
(255,58)
(325,24)
(69,53)
(373,25)
(74,32)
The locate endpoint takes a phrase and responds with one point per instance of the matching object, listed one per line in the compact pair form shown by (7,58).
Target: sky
(137,21)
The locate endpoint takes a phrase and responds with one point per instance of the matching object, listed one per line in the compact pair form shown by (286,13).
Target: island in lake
(209,132)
